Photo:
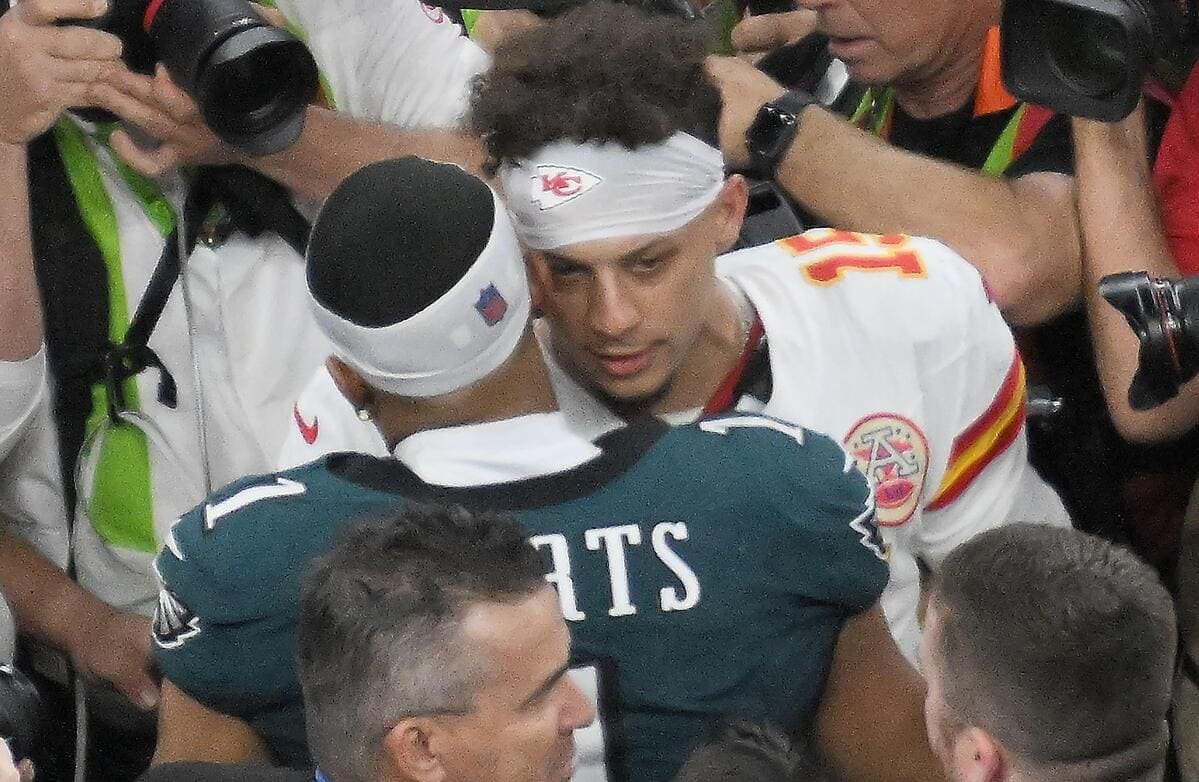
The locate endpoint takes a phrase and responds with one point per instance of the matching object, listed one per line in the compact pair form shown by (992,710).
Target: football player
(731,566)
(890,344)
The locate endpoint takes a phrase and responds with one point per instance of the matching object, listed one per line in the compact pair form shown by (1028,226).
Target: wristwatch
(773,130)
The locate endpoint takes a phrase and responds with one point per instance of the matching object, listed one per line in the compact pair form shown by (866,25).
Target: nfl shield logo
(491,305)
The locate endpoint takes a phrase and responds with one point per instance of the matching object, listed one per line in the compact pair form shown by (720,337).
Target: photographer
(929,156)
(231,340)
(1114,181)
(1122,232)
(395,73)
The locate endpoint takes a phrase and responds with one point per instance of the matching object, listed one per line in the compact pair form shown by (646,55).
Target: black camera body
(252,81)
(1165,316)
(1089,58)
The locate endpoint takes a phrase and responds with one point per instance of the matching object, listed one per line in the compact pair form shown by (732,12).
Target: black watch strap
(772,131)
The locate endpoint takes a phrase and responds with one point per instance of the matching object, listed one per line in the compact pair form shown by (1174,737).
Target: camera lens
(1089,60)
(255,87)
(252,81)
(239,87)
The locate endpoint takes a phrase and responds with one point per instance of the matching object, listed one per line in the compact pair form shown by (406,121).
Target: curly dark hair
(603,72)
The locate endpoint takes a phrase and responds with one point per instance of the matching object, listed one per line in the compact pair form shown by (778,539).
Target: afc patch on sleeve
(892,452)
(174,622)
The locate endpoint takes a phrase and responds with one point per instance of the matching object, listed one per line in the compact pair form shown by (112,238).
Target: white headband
(568,193)
(459,339)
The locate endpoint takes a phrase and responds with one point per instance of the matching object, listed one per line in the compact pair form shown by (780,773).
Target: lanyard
(877,110)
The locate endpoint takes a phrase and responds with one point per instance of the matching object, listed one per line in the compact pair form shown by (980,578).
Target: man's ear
(408,752)
(978,756)
(730,206)
(349,383)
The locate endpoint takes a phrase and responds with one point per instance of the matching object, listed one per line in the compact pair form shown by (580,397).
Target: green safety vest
(120,504)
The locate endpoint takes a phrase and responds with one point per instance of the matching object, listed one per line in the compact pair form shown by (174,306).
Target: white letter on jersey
(618,568)
(723,425)
(560,575)
(670,595)
(282,487)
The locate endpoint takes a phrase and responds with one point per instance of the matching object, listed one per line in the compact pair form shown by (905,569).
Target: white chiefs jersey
(889,344)
(892,345)
(396,61)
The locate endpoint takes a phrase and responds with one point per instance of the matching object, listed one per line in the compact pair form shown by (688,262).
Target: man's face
(938,719)
(527,710)
(898,42)
(626,313)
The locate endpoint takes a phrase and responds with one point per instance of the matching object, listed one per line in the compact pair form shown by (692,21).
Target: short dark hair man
(727,567)
(1049,655)
(430,647)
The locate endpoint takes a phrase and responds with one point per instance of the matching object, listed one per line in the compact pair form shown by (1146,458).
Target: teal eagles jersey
(703,570)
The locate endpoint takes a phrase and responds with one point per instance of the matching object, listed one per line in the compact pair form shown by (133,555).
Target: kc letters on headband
(568,193)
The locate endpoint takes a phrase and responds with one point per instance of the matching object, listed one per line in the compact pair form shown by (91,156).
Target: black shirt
(962,138)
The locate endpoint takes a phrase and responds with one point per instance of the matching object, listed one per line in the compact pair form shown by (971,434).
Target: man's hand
(761,33)
(492,27)
(743,90)
(114,646)
(160,108)
(48,68)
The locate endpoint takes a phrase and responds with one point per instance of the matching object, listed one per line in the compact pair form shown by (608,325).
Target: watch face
(768,131)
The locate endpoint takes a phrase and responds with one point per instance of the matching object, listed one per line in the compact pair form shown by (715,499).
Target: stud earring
(364,415)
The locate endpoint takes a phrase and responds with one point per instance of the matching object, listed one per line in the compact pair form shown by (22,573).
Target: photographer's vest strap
(877,110)
(121,501)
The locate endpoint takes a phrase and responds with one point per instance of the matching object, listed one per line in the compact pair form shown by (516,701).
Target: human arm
(22,361)
(46,69)
(1021,234)
(330,148)
(101,642)
(398,73)
(492,27)
(190,731)
(870,725)
(1121,232)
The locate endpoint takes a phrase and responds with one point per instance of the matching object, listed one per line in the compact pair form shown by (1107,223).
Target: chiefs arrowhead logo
(555,185)
(307,431)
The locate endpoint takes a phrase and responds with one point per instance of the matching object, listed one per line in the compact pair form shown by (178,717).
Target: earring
(364,415)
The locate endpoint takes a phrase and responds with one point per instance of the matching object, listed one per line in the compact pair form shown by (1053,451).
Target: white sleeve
(977,388)
(394,61)
(323,422)
(22,384)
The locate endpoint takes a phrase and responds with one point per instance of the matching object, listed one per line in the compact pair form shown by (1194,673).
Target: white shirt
(496,452)
(22,385)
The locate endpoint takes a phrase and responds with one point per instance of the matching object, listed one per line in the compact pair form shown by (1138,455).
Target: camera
(252,81)
(1165,316)
(1089,58)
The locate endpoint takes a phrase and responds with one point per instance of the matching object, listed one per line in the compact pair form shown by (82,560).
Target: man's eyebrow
(546,685)
(648,249)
